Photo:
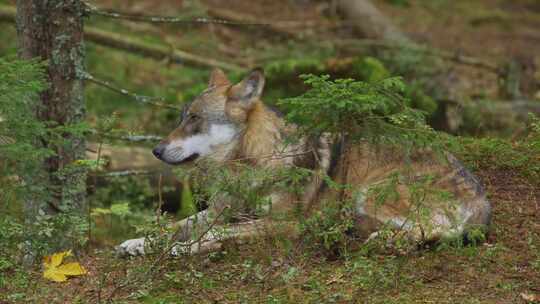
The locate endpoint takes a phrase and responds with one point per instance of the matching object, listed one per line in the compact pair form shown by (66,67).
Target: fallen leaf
(55,271)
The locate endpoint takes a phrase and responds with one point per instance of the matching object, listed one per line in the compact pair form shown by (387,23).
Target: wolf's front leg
(186,228)
(240,233)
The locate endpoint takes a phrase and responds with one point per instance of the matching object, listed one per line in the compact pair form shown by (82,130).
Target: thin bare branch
(140,138)
(155,101)
(126,137)
(125,173)
(92,9)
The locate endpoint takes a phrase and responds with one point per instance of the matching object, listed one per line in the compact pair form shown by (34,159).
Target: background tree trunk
(53,31)
(369,22)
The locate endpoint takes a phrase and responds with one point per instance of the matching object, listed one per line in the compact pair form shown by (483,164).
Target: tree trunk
(52,31)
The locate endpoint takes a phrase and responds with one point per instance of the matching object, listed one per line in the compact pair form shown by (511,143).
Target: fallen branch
(91,9)
(154,51)
(450,56)
(158,52)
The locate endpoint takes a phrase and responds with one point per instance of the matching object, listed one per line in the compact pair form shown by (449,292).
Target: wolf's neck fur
(262,142)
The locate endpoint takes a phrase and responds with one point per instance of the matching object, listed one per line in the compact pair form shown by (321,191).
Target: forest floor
(504,269)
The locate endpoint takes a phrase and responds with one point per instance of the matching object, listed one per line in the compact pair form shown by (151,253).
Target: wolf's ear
(249,90)
(218,78)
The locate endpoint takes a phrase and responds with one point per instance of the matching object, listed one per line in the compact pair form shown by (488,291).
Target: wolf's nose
(158,151)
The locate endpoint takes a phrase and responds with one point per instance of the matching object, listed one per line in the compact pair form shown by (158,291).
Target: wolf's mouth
(188,159)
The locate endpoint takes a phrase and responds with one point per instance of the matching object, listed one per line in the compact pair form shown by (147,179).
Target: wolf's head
(212,124)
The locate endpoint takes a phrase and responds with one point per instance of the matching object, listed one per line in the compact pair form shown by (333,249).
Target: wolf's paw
(132,247)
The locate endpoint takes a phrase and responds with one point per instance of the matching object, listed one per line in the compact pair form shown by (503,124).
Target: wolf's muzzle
(158,150)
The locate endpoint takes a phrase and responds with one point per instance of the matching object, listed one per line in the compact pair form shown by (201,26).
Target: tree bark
(52,31)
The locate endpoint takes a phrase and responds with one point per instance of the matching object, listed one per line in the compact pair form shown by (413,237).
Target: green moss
(370,69)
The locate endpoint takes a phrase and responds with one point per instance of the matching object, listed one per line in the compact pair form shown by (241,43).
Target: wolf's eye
(193,117)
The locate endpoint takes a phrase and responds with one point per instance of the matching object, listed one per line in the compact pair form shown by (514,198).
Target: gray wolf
(229,122)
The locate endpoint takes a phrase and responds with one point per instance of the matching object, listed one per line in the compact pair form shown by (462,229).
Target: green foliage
(118,209)
(133,189)
(328,228)
(11,233)
(20,82)
(370,69)
(26,144)
(376,112)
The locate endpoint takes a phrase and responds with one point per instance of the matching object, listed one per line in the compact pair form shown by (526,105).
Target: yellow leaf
(71,269)
(53,275)
(56,259)
(55,271)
